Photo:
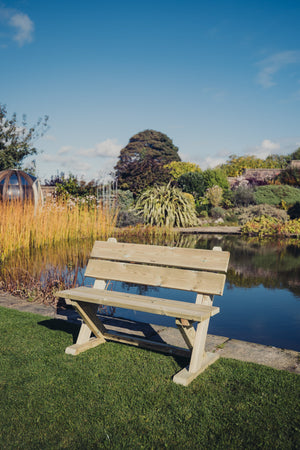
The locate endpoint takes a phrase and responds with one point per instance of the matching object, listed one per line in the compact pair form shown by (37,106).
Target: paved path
(228,348)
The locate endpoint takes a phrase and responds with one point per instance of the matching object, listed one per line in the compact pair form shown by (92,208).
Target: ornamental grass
(23,227)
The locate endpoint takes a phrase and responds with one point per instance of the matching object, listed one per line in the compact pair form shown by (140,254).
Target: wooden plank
(189,280)
(146,343)
(172,308)
(88,312)
(75,349)
(185,376)
(187,331)
(188,258)
(198,353)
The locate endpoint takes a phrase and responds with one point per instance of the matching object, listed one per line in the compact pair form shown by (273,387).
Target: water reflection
(260,302)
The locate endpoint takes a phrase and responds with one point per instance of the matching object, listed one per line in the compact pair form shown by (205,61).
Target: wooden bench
(199,271)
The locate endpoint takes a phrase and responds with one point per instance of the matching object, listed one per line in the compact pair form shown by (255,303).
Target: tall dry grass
(21,227)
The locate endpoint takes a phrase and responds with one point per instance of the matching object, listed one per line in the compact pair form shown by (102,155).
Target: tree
(143,174)
(197,183)
(178,168)
(192,183)
(16,142)
(141,162)
(236,165)
(295,155)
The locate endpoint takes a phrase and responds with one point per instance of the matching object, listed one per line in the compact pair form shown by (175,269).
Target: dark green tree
(192,183)
(141,162)
(17,141)
(196,183)
(295,154)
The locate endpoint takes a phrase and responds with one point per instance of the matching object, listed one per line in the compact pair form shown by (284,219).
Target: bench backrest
(195,270)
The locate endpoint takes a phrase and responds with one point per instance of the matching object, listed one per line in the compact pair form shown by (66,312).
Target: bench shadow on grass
(61,325)
(127,327)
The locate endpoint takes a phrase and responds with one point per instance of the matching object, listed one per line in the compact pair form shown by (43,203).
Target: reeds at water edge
(21,227)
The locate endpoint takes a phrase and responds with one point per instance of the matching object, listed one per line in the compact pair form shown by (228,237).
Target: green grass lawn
(116,396)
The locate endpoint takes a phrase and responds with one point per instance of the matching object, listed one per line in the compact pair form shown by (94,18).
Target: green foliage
(166,206)
(215,177)
(192,183)
(269,226)
(126,216)
(254,211)
(294,211)
(141,163)
(236,165)
(67,187)
(217,212)
(125,199)
(290,176)
(197,183)
(178,168)
(214,195)
(274,195)
(16,141)
(295,155)
(243,196)
(144,174)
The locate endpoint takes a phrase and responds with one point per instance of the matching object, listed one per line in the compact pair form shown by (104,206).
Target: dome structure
(19,185)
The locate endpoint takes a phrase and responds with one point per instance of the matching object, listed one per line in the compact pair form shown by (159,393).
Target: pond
(261,301)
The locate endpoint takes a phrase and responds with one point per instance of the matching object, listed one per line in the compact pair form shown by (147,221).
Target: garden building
(19,185)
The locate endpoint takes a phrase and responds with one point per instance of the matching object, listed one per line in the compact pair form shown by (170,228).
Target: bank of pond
(261,301)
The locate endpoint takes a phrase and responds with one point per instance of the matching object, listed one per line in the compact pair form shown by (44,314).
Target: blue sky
(218,77)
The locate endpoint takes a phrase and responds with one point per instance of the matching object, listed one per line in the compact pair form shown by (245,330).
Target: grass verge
(115,396)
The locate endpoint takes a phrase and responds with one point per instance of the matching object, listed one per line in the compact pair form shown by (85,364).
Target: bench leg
(91,324)
(187,331)
(200,360)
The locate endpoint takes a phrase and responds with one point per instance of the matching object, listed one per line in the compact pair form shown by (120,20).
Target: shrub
(294,211)
(290,176)
(126,217)
(274,195)
(197,183)
(246,214)
(243,196)
(215,177)
(269,226)
(214,195)
(192,183)
(125,200)
(203,214)
(231,217)
(166,206)
(217,212)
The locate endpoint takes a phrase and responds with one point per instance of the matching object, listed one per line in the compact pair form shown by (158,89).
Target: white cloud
(210,162)
(108,149)
(264,149)
(20,23)
(65,149)
(24,28)
(273,64)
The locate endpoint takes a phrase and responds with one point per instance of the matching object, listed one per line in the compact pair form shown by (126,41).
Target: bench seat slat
(152,254)
(172,308)
(189,280)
